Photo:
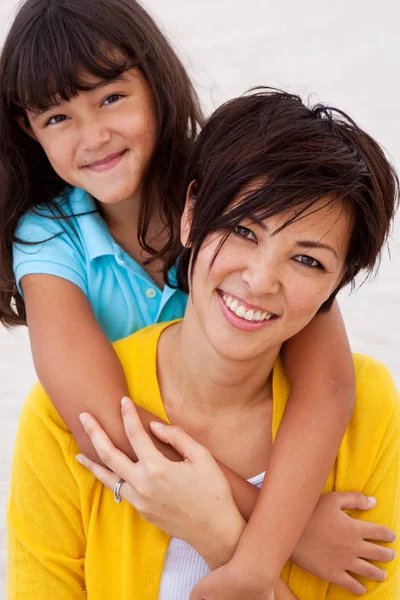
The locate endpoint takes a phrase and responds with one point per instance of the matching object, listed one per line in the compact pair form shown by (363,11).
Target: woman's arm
(75,362)
(320,369)
(191,500)
(45,534)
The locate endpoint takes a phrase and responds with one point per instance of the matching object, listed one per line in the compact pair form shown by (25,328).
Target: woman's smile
(242,315)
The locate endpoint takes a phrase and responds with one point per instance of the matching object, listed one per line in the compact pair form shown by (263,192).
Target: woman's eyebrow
(311,244)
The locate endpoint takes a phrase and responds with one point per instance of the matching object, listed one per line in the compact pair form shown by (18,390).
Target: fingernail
(83,418)
(79,458)
(371,501)
(157,425)
(124,401)
(394,554)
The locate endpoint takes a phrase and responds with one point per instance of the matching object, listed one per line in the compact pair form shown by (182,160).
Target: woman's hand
(334,543)
(190,500)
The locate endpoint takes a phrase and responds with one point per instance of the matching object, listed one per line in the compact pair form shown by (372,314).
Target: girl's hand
(190,500)
(230,582)
(334,543)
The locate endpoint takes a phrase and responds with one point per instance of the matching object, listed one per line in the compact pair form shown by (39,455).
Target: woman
(285,205)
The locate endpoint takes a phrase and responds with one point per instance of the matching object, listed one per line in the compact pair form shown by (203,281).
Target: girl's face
(102,140)
(263,289)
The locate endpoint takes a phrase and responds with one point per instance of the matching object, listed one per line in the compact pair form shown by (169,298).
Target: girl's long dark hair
(50,45)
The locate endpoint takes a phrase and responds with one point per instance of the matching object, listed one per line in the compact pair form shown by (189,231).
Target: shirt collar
(98,240)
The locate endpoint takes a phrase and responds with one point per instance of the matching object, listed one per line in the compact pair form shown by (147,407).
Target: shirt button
(151,293)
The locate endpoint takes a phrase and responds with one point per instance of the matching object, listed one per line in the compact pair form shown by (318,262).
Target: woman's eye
(244,232)
(308,261)
(113,98)
(56,119)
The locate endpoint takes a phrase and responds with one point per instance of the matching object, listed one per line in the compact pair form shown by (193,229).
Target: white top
(184,567)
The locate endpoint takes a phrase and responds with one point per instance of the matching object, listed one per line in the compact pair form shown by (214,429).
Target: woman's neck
(195,378)
(225,405)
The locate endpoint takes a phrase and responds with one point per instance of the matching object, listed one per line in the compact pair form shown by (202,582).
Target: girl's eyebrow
(35,114)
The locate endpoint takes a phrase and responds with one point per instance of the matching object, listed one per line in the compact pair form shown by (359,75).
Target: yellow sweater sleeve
(371,464)
(46,541)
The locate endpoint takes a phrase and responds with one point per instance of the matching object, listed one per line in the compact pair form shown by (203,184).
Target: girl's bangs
(54,62)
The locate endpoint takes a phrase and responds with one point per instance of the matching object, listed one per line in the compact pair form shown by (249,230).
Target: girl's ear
(24,125)
(186,220)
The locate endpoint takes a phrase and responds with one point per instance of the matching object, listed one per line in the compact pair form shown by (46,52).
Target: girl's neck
(122,220)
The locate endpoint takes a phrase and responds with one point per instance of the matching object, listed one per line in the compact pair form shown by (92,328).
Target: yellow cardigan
(68,538)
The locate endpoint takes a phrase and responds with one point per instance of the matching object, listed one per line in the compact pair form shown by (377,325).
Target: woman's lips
(240,322)
(106,163)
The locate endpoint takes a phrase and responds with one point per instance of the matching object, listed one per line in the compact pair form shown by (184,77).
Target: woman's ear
(23,124)
(186,220)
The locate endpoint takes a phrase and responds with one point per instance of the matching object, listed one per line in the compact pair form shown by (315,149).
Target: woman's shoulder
(144,341)
(374,384)
(376,417)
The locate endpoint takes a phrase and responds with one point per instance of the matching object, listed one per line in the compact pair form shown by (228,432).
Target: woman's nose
(262,277)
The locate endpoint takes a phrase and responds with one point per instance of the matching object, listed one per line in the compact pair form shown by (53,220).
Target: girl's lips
(107,163)
(240,323)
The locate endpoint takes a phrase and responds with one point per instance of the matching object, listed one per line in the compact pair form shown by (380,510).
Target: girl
(97,120)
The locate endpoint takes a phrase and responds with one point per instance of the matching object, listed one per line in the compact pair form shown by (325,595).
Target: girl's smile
(106,163)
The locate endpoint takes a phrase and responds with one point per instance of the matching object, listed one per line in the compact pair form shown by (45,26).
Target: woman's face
(263,289)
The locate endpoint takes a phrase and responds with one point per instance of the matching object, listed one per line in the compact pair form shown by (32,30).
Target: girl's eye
(56,119)
(308,261)
(113,98)
(244,232)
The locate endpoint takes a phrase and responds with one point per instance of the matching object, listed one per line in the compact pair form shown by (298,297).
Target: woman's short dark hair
(51,46)
(299,155)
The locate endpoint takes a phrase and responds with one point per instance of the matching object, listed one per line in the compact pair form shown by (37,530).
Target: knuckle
(369,571)
(130,431)
(176,430)
(89,430)
(154,470)
(105,457)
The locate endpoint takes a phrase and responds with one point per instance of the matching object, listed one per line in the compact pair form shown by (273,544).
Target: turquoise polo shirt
(80,248)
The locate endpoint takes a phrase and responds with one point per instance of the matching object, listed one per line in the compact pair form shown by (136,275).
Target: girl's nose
(94,135)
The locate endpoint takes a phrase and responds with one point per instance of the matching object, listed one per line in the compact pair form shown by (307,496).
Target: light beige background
(347,54)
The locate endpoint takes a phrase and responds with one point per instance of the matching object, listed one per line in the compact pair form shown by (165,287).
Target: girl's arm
(319,365)
(75,362)
(78,368)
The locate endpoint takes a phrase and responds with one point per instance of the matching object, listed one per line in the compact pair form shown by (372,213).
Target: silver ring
(117,487)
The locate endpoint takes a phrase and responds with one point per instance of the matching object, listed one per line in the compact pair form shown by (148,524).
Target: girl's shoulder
(54,218)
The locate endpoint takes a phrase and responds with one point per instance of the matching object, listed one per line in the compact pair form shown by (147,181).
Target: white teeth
(241,311)
(234,305)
